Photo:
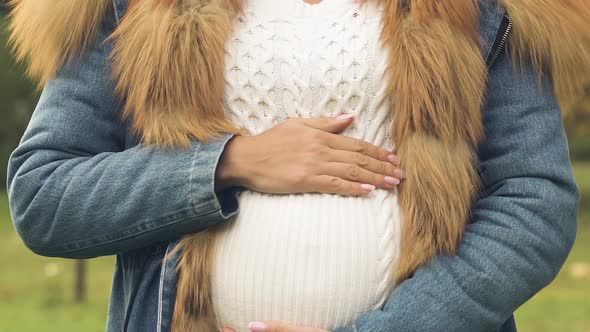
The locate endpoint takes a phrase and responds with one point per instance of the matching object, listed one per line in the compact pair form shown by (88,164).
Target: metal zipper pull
(500,41)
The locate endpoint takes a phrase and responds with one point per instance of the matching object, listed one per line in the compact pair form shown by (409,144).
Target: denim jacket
(81,186)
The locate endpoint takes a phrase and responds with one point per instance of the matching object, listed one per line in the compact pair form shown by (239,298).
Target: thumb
(331,125)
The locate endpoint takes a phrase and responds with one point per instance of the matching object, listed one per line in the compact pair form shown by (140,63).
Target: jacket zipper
(500,42)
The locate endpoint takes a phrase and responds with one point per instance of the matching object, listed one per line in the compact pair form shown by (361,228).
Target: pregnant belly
(311,259)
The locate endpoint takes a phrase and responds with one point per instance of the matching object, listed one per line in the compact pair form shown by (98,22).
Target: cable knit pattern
(310,259)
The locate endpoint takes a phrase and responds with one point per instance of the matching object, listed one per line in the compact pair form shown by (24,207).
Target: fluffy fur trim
(437,75)
(48,33)
(436,199)
(193,310)
(555,36)
(169,64)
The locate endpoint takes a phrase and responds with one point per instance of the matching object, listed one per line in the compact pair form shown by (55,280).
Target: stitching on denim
(161,290)
(146,224)
(216,199)
(191,194)
(116,9)
(60,252)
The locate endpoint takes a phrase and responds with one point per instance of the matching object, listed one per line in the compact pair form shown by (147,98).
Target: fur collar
(554,34)
(168,64)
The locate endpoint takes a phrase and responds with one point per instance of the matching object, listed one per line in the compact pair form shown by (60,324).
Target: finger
(331,125)
(354,173)
(394,159)
(274,326)
(373,165)
(344,143)
(327,184)
(227,329)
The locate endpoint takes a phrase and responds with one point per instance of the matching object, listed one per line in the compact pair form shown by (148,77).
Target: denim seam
(191,180)
(224,144)
(116,12)
(58,252)
(161,290)
(211,200)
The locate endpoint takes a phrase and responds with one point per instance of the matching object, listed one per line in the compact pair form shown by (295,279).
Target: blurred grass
(36,293)
(565,304)
(32,298)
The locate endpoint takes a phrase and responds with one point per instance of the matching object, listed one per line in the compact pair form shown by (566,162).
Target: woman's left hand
(274,326)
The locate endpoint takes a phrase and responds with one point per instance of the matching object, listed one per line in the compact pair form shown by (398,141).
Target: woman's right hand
(307,155)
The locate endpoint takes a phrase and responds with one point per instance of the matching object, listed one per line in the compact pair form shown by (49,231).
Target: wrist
(230,170)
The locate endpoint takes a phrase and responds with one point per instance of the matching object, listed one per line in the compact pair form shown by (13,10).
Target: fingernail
(393,159)
(345,116)
(400,174)
(368,187)
(391,180)
(257,327)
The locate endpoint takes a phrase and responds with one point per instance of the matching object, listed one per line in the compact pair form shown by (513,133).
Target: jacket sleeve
(77,191)
(523,226)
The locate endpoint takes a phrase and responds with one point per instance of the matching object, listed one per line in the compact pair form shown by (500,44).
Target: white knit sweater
(309,259)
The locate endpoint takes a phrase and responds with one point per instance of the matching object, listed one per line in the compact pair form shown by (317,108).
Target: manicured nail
(345,116)
(393,159)
(257,327)
(368,187)
(391,180)
(400,174)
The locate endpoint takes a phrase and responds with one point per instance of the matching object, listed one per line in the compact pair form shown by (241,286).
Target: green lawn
(36,292)
(565,304)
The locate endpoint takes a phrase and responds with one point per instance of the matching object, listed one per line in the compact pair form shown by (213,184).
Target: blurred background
(44,294)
